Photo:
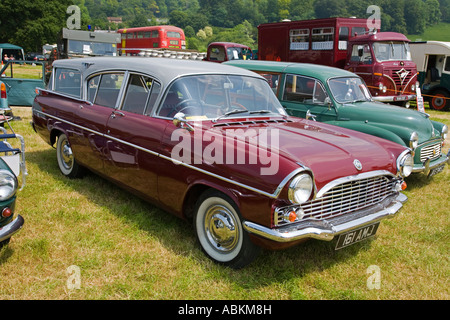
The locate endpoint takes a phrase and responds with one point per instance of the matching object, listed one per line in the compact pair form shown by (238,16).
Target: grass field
(24,71)
(124,248)
(438,32)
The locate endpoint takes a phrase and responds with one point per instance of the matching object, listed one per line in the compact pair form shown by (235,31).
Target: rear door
(133,138)
(89,143)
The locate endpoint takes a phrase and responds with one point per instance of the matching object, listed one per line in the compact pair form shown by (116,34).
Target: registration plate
(357,235)
(436,170)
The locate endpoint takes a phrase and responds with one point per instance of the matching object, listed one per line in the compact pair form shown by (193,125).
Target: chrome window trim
(64,95)
(273,195)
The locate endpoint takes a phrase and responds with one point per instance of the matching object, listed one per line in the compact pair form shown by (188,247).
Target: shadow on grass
(270,266)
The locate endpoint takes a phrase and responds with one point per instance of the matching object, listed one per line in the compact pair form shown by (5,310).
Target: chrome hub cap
(66,155)
(220,228)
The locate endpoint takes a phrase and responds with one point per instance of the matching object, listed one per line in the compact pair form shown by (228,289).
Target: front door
(306,97)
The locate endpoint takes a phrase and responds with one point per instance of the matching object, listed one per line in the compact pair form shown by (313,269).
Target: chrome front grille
(401,77)
(344,198)
(432,151)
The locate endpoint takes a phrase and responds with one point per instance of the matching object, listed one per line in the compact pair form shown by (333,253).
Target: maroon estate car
(211,143)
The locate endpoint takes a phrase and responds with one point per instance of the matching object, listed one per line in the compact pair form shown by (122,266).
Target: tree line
(34,23)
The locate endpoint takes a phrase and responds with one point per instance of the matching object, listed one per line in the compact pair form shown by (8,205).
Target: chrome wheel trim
(65,155)
(219,229)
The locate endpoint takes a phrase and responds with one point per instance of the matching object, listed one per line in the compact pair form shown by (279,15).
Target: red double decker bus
(154,37)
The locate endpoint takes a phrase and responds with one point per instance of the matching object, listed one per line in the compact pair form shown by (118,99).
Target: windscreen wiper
(229,113)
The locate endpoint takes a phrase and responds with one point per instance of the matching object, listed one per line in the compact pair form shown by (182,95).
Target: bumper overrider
(11,228)
(328,229)
(429,165)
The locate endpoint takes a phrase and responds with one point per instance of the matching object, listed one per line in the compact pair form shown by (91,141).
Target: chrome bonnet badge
(357,164)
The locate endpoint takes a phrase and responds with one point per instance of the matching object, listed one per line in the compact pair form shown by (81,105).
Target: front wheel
(66,160)
(219,229)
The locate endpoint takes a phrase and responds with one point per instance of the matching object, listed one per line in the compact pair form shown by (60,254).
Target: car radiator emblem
(357,164)
(402,74)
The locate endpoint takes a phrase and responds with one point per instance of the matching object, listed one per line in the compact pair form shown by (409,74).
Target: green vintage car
(341,98)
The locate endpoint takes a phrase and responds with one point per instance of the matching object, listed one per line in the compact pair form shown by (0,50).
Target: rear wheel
(66,160)
(440,100)
(218,225)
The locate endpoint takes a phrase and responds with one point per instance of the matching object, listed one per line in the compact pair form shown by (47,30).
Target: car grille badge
(357,164)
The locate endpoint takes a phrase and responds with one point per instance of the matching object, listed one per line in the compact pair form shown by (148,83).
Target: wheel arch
(196,190)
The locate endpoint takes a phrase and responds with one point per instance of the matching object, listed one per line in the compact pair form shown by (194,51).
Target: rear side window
(109,85)
(139,93)
(68,81)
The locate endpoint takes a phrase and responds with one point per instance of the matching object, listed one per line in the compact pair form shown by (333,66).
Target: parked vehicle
(339,97)
(133,40)
(216,52)
(10,51)
(382,59)
(433,63)
(225,51)
(12,165)
(212,144)
(21,85)
(34,56)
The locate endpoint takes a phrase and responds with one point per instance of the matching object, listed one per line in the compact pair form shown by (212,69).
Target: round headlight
(414,141)
(8,184)
(301,188)
(444,132)
(405,164)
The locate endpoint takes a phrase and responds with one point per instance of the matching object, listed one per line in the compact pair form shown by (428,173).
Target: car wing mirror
(180,121)
(309,115)
(327,102)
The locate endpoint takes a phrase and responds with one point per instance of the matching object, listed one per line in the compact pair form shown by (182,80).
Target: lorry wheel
(218,226)
(66,160)
(440,100)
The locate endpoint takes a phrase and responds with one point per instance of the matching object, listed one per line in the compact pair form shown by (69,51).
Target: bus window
(343,38)
(299,39)
(322,38)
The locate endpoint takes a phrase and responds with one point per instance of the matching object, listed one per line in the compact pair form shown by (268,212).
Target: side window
(108,89)
(361,53)
(273,80)
(138,91)
(92,88)
(447,64)
(298,89)
(343,38)
(319,94)
(154,93)
(68,81)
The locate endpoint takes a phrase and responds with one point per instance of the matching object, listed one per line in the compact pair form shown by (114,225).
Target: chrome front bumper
(11,228)
(326,230)
(427,165)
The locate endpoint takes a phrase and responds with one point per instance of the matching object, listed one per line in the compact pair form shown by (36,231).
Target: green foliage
(33,23)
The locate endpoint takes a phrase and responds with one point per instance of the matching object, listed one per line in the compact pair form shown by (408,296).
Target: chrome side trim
(65,95)
(272,195)
(326,230)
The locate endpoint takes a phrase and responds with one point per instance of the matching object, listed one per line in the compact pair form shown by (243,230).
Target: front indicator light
(6,212)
